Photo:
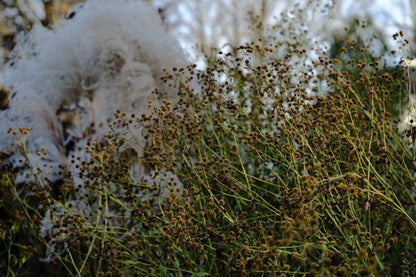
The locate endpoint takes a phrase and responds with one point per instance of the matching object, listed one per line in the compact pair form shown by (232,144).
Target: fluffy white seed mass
(107,55)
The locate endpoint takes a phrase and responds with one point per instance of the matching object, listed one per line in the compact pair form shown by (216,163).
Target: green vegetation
(278,181)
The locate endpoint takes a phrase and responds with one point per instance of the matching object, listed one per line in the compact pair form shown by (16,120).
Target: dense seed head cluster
(286,172)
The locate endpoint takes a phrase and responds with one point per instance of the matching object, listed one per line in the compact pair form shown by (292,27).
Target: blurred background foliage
(205,25)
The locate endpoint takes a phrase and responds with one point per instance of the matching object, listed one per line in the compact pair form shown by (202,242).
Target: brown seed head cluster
(286,172)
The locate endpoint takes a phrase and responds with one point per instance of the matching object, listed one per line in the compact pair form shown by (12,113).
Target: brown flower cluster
(279,180)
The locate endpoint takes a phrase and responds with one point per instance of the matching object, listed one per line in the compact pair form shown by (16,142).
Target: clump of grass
(297,188)
(278,179)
